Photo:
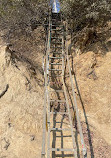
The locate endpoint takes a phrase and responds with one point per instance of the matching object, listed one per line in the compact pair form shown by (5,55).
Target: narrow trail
(56,103)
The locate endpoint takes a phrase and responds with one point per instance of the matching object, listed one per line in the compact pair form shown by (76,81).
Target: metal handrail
(48,95)
(65,92)
(76,106)
(45,96)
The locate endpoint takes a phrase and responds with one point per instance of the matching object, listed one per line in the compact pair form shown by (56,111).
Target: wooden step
(57,91)
(55,64)
(55,57)
(59,43)
(61,149)
(57,25)
(56,38)
(55,70)
(55,52)
(59,101)
(56,30)
(56,75)
(60,113)
(60,129)
(56,47)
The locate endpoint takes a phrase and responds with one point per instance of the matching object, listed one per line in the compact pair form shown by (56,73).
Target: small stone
(9,125)
(32,138)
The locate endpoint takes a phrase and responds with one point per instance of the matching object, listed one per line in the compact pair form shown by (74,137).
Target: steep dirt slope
(92,73)
(20,108)
(21,99)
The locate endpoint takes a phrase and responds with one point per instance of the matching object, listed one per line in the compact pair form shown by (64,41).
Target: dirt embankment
(92,73)
(21,100)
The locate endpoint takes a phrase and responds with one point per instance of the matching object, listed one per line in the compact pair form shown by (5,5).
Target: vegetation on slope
(88,20)
(89,24)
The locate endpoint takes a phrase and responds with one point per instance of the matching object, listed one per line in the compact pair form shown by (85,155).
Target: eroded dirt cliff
(91,74)
(21,100)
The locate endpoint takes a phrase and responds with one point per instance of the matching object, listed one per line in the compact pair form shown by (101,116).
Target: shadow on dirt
(6,89)
(86,119)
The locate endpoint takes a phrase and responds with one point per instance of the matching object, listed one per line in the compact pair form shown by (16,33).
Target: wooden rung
(60,113)
(57,91)
(59,101)
(56,42)
(56,47)
(55,64)
(60,129)
(55,70)
(55,52)
(61,149)
(56,38)
(55,57)
(57,25)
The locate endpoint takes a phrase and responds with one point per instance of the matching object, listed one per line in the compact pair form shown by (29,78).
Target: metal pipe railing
(65,92)
(76,106)
(45,94)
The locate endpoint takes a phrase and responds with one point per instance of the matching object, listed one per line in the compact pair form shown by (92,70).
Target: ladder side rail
(76,106)
(44,126)
(70,120)
(45,96)
(48,122)
(48,93)
(69,113)
(63,53)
